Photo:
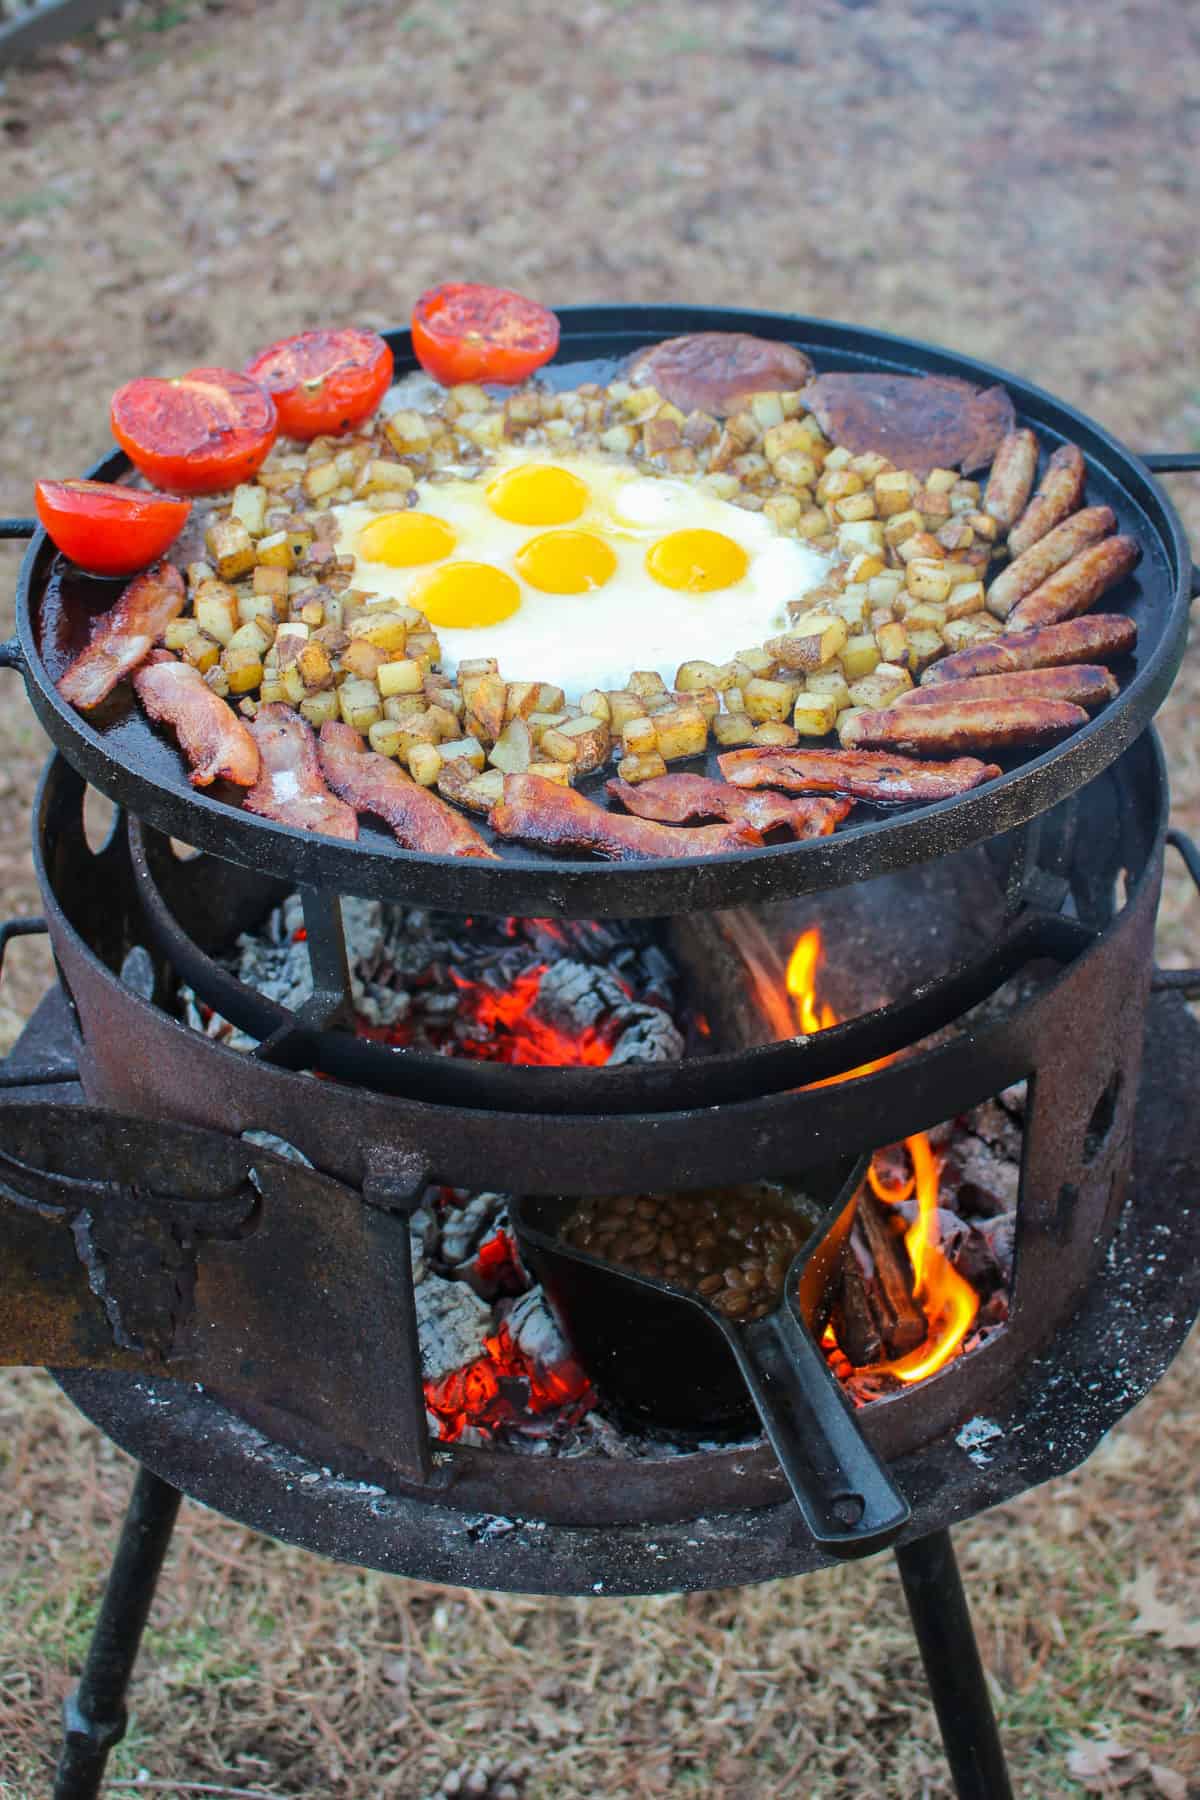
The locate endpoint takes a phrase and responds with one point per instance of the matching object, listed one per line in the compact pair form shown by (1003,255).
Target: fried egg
(578,569)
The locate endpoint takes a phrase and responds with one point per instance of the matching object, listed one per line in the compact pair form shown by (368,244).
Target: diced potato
(893,643)
(198,573)
(754,661)
(813,640)
(707,699)
(796,468)
(643,767)
(958,633)
(513,749)
(865,565)
(926,615)
(735,700)
(386,630)
(252,636)
(424,763)
(250,506)
(854,508)
(882,589)
(549,697)
(812,524)
(455,776)
(843,719)
(861,537)
(258,609)
(202,651)
(901,526)
(983,525)
(960,572)
(552,771)
(925,645)
(559,748)
(484,697)
(965,599)
(769,699)
(482,792)
(590,738)
(814,714)
(408,433)
(275,551)
(315,666)
(231,548)
(377,476)
(520,699)
(928,580)
(881,686)
(539,723)
(678,731)
(243,668)
(271,691)
(595,704)
(446,724)
(321,479)
(955,535)
(638,735)
(217,679)
(410,706)
(620,439)
(466,749)
(838,483)
(922,546)
(646,682)
(789,434)
(859,656)
(774,734)
(733,728)
(362,660)
(180,632)
(829,681)
(869,464)
(623,705)
(384,736)
(401,676)
(359,703)
(317,708)
(215,610)
(477,665)
(852,606)
(423,647)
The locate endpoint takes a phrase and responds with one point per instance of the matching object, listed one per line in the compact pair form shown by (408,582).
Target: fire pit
(324,1252)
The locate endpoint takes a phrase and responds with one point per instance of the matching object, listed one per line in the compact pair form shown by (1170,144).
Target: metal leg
(95,1715)
(938,1607)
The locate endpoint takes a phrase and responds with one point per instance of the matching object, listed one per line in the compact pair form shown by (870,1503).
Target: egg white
(595,639)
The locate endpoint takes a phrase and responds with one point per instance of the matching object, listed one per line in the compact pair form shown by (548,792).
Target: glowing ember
(503,1384)
(948,1302)
(515,1034)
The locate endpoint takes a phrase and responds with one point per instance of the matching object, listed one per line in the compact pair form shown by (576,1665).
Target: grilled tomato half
(107,529)
(324,381)
(462,331)
(196,433)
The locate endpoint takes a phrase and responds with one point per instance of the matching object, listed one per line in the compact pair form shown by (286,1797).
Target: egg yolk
(404,539)
(537,494)
(697,562)
(566,562)
(464,596)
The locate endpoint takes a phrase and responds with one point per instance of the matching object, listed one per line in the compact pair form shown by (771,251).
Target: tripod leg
(938,1608)
(95,1715)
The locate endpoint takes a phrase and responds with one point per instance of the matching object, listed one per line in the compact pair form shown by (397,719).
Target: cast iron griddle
(120,753)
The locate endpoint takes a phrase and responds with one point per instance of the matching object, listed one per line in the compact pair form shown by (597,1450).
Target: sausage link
(1083,684)
(1076,586)
(1011,480)
(1047,556)
(963,725)
(1060,493)
(1098,638)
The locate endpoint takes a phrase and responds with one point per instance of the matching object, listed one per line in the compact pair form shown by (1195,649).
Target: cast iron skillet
(120,753)
(660,1352)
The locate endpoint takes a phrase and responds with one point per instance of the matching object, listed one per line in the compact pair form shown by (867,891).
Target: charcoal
(452,1323)
(984,1181)
(464,1228)
(536,1332)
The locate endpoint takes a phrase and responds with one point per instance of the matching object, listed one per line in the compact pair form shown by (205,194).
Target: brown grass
(1020,182)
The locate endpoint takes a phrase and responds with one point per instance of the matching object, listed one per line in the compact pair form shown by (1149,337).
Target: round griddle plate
(122,755)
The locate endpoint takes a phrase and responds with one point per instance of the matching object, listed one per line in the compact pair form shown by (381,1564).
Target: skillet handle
(1180,981)
(846,1496)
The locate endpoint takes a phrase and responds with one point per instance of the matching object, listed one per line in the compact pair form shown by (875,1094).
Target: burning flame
(949,1302)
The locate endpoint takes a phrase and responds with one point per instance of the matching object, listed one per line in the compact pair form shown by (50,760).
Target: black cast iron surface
(123,756)
(1131,1325)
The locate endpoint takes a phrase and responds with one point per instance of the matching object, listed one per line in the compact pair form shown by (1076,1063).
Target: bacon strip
(1082,684)
(676,799)
(1059,493)
(1098,638)
(544,813)
(214,740)
(1074,587)
(124,636)
(945,729)
(290,788)
(863,774)
(1047,556)
(372,784)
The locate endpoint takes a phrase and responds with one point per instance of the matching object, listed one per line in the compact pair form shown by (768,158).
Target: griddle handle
(846,1496)
(1180,981)
(11,657)
(17,528)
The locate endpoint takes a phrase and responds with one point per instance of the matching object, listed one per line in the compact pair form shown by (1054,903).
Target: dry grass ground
(1020,182)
